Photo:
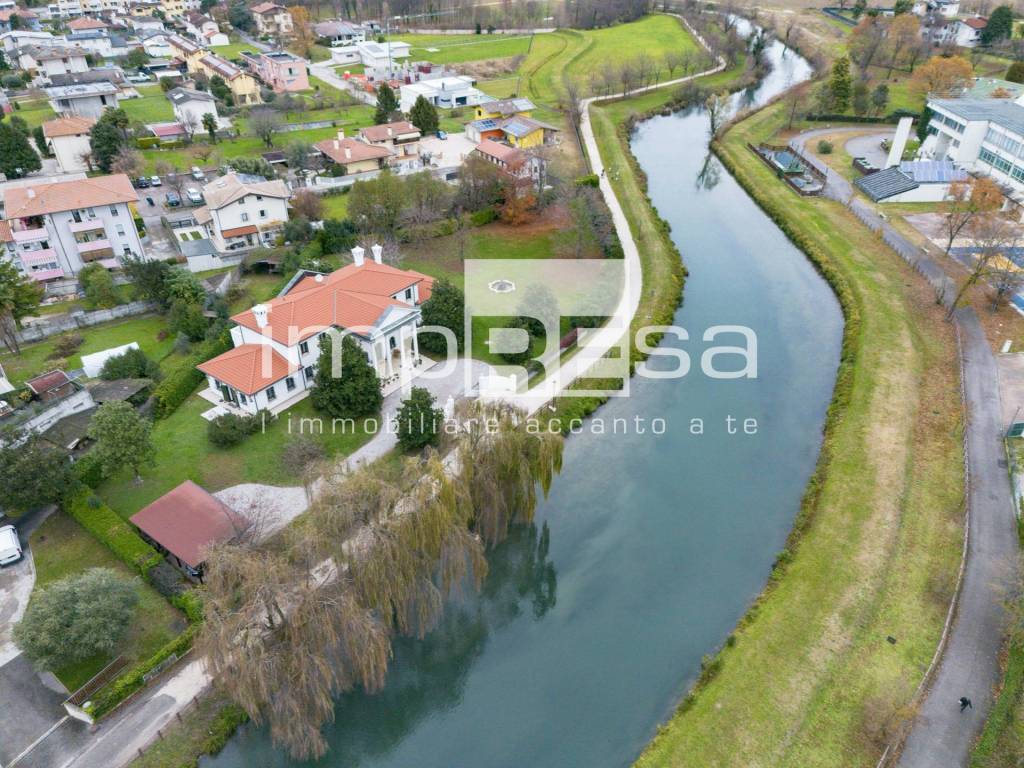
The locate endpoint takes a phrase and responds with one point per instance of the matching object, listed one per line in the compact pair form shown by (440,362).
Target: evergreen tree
(210,124)
(880,97)
(999,27)
(861,101)
(40,139)
(17,158)
(1015,74)
(840,84)
(19,296)
(419,422)
(446,308)
(32,475)
(108,137)
(356,392)
(239,16)
(424,116)
(922,124)
(387,104)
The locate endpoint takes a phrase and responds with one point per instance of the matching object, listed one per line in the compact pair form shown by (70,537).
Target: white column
(389,357)
(401,347)
(415,345)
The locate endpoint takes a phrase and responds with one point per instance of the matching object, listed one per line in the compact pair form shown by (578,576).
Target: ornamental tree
(17,158)
(424,115)
(356,392)
(32,475)
(999,27)
(387,104)
(419,422)
(19,296)
(446,307)
(123,438)
(77,617)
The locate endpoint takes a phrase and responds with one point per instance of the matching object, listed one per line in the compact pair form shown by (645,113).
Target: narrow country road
(942,736)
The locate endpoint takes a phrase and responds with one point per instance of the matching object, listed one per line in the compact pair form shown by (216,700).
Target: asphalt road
(943,736)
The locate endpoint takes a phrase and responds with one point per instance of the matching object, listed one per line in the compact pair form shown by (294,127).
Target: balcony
(86,226)
(46,274)
(29,235)
(91,246)
(34,258)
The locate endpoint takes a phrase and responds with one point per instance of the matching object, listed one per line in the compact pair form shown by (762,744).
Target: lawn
(232,50)
(152,107)
(35,112)
(1002,742)
(61,548)
(611,47)
(146,330)
(335,206)
(452,49)
(183,452)
(809,679)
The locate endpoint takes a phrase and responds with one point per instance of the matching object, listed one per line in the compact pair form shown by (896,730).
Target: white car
(10,546)
(197,173)
(194,196)
(155,181)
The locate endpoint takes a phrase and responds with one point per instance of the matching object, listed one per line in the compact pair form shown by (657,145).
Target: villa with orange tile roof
(354,155)
(53,229)
(277,344)
(272,19)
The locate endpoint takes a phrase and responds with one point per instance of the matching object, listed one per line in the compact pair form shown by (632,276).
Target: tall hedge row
(183,380)
(105,524)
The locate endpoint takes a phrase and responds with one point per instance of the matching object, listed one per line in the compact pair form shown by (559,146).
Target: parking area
(449,152)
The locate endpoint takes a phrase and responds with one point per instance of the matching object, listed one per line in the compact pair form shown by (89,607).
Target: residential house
(244,87)
(29,20)
(965,33)
(13,41)
(272,19)
(511,160)
(100,43)
(442,92)
(175,9)
(188,51)
(280,70)
(353,155)
(156,44)
(185,522)
(336,33)
(59,227)
(522,132)
(243,211)
(112,75)
(947,9)
(145,24)
(371,54)
(41,62)
(87,24)
(984,136)
(277,344)
(190,106)
(502,109)
(401,138)
(68,140)
(88,100)
(203,29)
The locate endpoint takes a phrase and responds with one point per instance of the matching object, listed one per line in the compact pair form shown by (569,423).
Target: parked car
(194,196)
(10,546)
(142,183)
(197,173)
(156,181)
(173,200)
(442,135)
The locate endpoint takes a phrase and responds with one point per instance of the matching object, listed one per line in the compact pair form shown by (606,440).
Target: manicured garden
(62,548)
(152,107)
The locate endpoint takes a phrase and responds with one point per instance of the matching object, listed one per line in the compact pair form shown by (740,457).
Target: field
(35,112)
(335,206)
(611,47)
(40,357)
(60,548)
(153,107)
(808,679)
(454,49)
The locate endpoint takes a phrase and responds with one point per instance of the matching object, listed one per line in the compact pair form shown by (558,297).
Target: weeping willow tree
(292,624)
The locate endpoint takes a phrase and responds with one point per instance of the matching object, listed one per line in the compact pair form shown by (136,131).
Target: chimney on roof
(390,132)
(30,192)
(358,255)
(336,144)
(378,252)
(348,153)
(341,133)
(260,312)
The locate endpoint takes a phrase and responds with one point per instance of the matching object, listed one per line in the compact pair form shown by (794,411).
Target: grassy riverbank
(810,678)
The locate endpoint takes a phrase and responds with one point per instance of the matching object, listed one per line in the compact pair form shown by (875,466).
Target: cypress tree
(17,158)
(356,392)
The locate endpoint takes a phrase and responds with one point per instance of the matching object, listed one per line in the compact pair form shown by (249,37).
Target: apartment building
(43,62)
(57,228)
(272,19)
(243,211)
(244,87)
(68,140)
(279,70)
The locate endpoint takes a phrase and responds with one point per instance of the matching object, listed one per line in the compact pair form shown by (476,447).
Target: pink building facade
(280,70)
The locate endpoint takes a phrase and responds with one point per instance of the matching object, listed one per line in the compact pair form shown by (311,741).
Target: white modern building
(57,228)
(339,33)
(277,344)
(89,100)
(443,93)
(68,140)
(371,54)
(243,211)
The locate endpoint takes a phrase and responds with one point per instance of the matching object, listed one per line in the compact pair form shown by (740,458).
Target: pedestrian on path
(965,703)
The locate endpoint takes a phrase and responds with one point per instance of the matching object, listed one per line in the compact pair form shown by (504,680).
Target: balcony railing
(86,226)
(29,235)
(93,245)
(42,256)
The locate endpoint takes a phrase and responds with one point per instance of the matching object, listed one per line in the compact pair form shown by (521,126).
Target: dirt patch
(552,218)
(489,69)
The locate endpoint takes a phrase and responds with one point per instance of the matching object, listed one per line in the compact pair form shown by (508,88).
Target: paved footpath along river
(593,622)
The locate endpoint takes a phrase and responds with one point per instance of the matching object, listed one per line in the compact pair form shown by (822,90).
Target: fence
(74,705)
(51,326)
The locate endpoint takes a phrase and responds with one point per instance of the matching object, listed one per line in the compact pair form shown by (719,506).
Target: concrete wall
(52,326)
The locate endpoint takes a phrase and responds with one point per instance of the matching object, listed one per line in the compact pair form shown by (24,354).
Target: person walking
(965,703)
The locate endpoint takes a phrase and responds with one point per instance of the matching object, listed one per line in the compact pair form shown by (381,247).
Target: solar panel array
(932,171)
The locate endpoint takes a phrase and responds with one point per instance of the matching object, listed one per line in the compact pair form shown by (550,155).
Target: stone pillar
(415,345)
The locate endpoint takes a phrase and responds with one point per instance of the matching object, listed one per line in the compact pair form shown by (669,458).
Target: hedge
(103,523)
(183,380)
(892,117)
(147,142)
(133,680)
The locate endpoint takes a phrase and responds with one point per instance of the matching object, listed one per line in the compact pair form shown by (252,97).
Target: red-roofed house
(277,344)
(966,32)
(187,520)
(272,19)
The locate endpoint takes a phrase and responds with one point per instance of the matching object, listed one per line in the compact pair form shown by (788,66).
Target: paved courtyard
(870,147)
(447,153)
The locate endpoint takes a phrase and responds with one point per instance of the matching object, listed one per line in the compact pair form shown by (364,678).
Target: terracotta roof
(187,520)
(388,131)
(247,229)
(67,126)
(5,232)
(349,150)
(501,152)
(351,297)
(84,23)
(47,382)
(39,199)
(976,23)
(227,189)
(202,215)
(249,368)
(263,8)
(6,14)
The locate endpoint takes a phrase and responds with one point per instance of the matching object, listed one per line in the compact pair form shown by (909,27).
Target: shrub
(419,422)
(825,147)
(89,470)
(147,142)
(299,453)
(590,180)
(118,536)
(228,429)
(183,380)
(66,344)
(483,216)
(131,364)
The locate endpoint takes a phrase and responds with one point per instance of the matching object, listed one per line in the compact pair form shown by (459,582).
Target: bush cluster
(103,523)
(228,429)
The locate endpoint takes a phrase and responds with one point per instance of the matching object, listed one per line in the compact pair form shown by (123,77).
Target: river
(593,622)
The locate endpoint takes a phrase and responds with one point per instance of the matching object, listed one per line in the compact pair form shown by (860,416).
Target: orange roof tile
(248,229)
(5,232)
(249,368)
(388,131)
(350,150)
(39,199)
(67,126)
(79,25)
(501,152)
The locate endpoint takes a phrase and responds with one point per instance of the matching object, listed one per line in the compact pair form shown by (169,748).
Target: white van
(10,547)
